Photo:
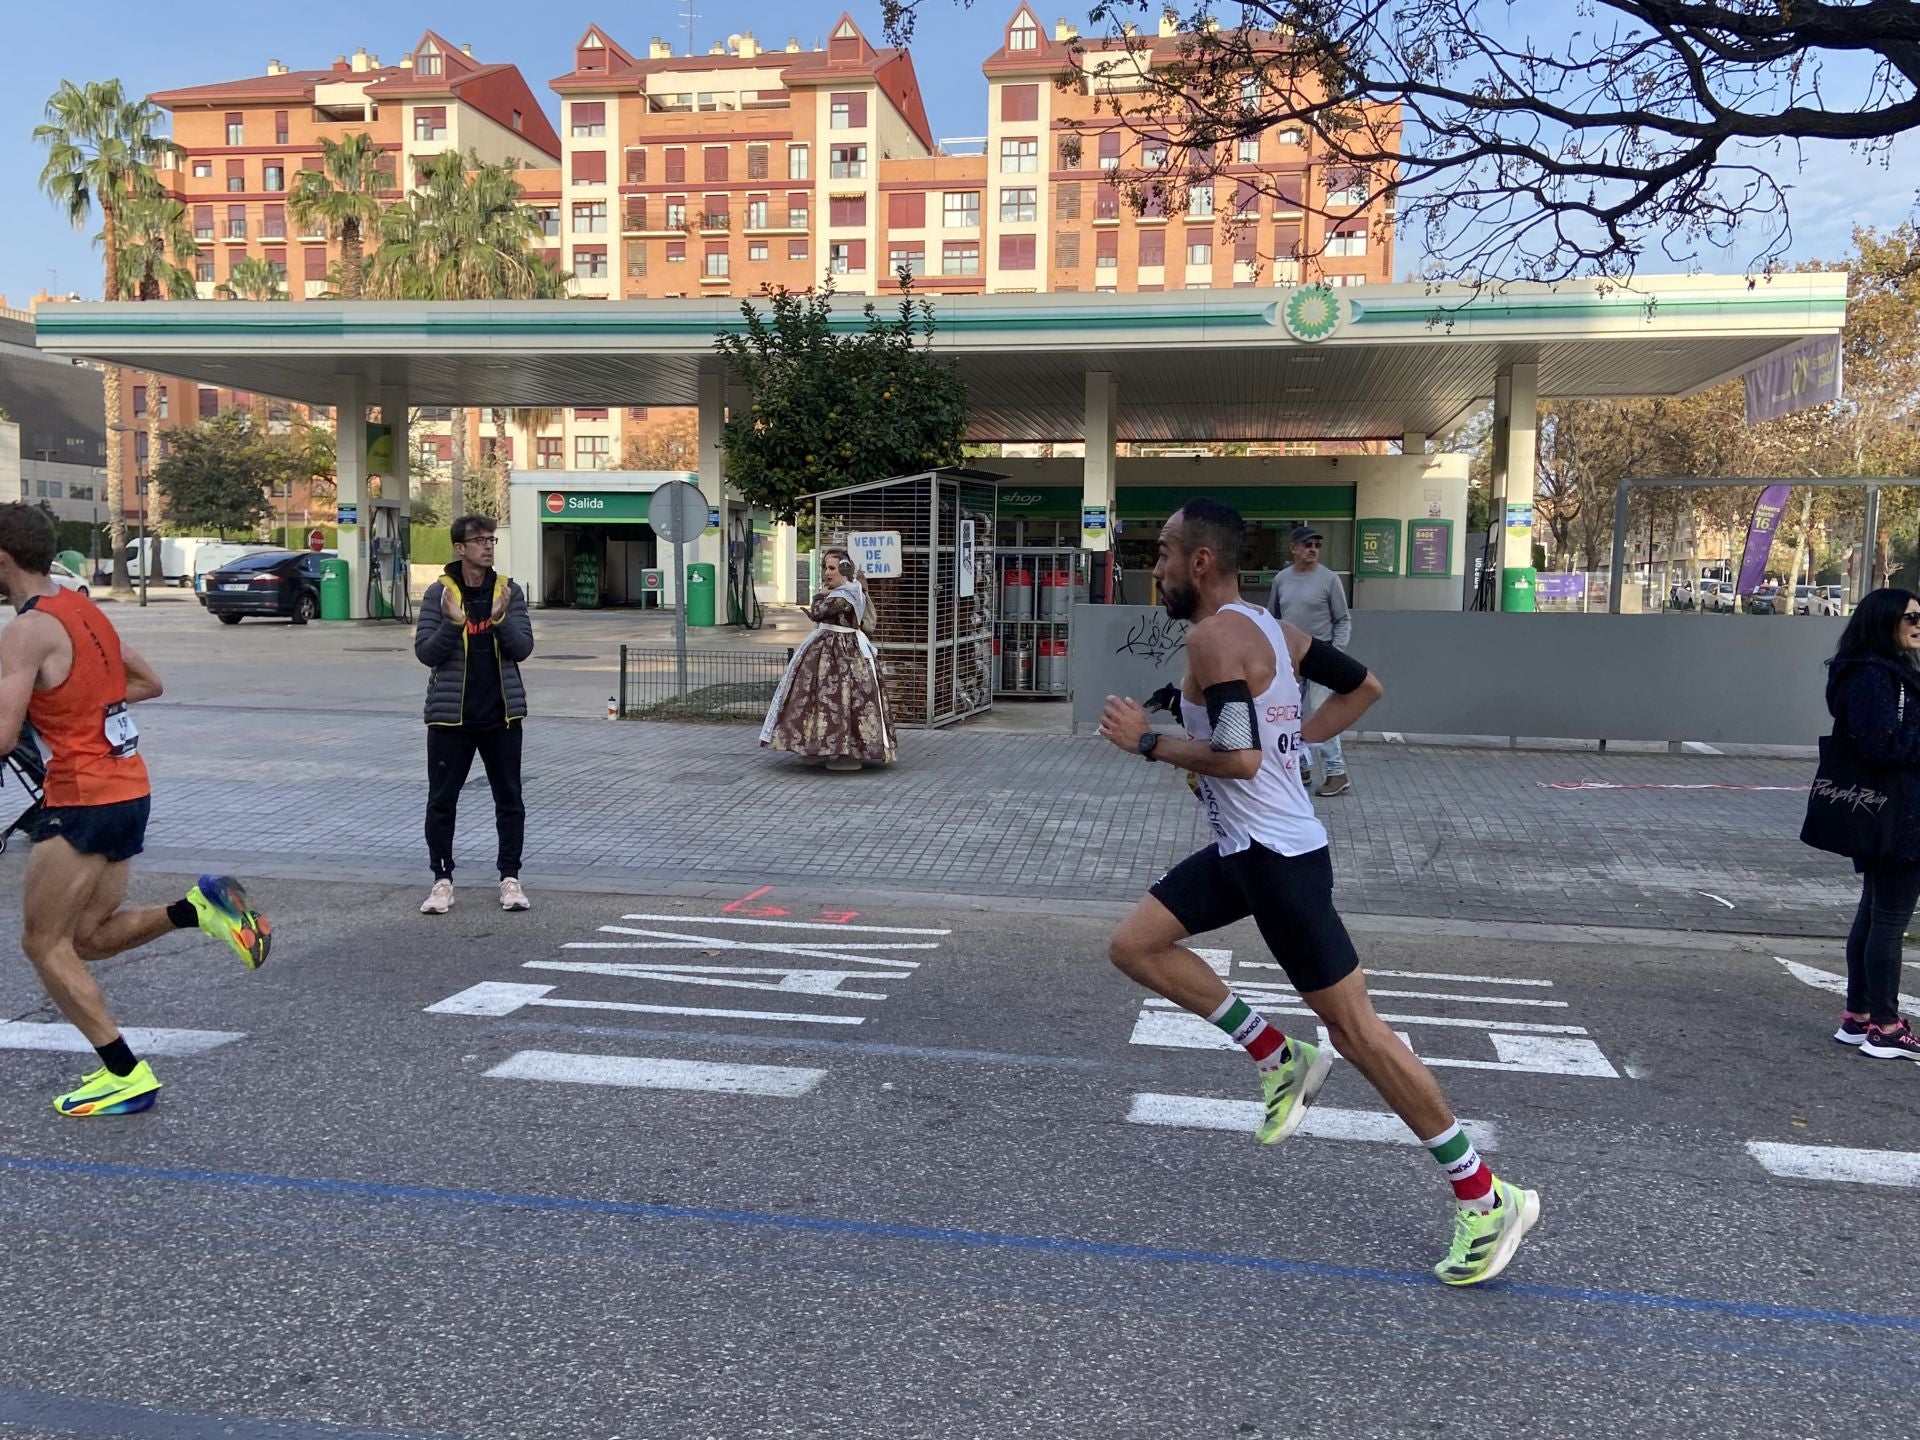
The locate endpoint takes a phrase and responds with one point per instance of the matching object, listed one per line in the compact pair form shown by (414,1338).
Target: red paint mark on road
(838,917)
(743,905)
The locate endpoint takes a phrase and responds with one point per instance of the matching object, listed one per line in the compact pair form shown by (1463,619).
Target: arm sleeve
(1327,665)
(1337,607)
(1230,712)
(516,627)
(1870,708)
(434,639)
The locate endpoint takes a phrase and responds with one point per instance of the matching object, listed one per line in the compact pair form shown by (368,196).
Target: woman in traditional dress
(830,704)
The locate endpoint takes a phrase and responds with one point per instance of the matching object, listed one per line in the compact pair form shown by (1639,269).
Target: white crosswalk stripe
(1831,1162)
(643,1073)
(62,1038)
(1322,1122)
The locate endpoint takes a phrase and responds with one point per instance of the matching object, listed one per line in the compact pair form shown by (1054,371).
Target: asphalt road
(430,1185)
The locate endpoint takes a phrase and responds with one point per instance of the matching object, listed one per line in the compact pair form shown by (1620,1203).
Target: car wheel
(231,619)
(305,607)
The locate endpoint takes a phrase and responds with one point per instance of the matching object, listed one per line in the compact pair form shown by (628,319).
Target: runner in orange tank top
(64,670)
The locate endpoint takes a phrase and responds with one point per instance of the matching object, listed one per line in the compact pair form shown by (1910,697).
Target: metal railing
(729,686)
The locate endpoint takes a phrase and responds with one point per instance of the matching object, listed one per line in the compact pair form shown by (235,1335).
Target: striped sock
(1472,1181)
(1249,1029)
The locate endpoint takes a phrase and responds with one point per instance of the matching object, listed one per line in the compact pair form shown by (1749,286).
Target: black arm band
(1230,713)
(1335,669)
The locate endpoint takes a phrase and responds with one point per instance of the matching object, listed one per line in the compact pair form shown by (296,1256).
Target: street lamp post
(146,551)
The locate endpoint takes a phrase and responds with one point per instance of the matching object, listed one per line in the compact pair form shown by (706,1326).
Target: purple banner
(1766,514)
(1806,375)
(1549,585)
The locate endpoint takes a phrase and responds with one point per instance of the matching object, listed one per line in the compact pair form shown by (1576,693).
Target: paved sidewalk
(1439,832)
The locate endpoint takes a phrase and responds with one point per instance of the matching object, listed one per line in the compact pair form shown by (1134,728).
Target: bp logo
(1312,312)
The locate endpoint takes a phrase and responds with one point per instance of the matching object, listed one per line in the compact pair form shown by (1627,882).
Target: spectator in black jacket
(1873,692)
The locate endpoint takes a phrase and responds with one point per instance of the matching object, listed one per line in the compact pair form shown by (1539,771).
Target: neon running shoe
(1484,1240)
(221,902)
(1291,1088)
(105,1093)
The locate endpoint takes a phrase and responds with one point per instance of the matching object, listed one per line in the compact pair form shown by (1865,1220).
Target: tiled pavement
(1458,833)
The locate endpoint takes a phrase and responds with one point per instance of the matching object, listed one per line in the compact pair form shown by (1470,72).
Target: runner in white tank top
(1271,808)
(1268,861)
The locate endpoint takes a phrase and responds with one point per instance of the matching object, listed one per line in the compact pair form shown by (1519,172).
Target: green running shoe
(105,1093)
(1291,1088)
(1484,1240)
(221,903)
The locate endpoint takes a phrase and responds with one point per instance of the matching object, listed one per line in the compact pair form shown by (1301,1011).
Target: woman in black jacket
(1873,693)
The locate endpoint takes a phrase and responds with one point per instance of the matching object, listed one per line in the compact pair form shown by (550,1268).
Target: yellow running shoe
(1484,1240)
(105,1093)
(221,903)
(1291,1088)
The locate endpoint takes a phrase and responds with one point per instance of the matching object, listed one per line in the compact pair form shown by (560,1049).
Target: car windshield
(259,562)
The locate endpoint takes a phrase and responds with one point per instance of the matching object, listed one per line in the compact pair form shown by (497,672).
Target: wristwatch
(1146,743)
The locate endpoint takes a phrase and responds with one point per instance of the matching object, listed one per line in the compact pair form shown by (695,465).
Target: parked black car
(281,583)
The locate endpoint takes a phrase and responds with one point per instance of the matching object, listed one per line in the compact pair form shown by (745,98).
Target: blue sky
(151,49)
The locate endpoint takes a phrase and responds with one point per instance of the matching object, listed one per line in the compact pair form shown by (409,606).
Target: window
(847,112)
(847,257)
(497,449)
(1019,157)
(1153,248)
(676,166)
(676,252)
(236,176)
(274,176)
(591,452)
(796,249)
(165,398)
(273,222)
(1349,240)
(910,258)
(677,214)
(907,210)
(756,250)
(1153,152)
(590,262)
(236,128)
(1106,249)
(590,217)
(203,222)
(636,258)
(847,162)
(1019,102)
(1345,280)
(1288,136)
(960,209)
(549,218)
(427,62)
(1200,200)
(277,265)
(1066,200)
(203,270)
(590,167)
(716,165)
(718,265)
(280,127)
(589,118)
(1066,249)
(1246,199)
(209,403)
(1246,245)
(1106,202)
(797,212)
(717,214)
(549,452)
(236,222)
(960,257)
(139,402)
(757,213)
(636,412)
(797,162)
(1110,150)
(1025,35)
(1346,188)
(430,122)
(590,412)
(313,263)
(845,211)
(756,162)
(1249,94)
(1199,247)
(1018,205)
(1249,151)
(636,167)
(203,169)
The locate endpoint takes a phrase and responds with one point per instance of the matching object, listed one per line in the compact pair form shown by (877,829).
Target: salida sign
(562,504)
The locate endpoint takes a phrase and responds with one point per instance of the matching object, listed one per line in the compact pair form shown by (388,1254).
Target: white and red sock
(1249,1029)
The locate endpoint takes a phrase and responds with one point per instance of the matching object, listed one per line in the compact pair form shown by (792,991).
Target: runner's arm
(143,681)
(23,650)
(1210,662)
(1350,696)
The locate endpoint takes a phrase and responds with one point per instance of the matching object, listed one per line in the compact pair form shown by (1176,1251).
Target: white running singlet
(1272,808)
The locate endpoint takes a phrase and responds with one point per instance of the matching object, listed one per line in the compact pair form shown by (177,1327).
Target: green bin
(701,584)
(336,591)
(1517,586)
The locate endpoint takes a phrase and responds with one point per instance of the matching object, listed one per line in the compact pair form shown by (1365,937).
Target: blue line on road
(941,1235)
(46,1411)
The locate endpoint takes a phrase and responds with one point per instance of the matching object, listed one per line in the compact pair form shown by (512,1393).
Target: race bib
(123,736)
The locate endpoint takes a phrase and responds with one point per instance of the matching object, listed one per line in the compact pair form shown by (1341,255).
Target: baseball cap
(1303,532)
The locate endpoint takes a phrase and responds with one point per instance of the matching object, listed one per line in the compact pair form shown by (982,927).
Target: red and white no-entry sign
(556,502)
(316,540)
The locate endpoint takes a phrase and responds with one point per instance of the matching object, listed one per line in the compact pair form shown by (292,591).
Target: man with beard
(1240,706)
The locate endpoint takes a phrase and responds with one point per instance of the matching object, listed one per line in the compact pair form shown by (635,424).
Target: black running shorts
(117,832)
(1290,898)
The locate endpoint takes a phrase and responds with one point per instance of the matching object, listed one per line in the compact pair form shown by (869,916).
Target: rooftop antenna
(690,15)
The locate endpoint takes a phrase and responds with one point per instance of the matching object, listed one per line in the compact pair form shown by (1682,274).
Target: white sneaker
(439,899)
(512,897)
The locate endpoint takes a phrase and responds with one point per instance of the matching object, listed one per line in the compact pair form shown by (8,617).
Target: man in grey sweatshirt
(1310,597)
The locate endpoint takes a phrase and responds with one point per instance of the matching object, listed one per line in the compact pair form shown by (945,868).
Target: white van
(175,565)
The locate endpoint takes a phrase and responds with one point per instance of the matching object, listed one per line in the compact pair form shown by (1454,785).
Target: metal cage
(935,643)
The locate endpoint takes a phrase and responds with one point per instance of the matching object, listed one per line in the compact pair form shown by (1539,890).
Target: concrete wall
(1413,487)
(1714,678)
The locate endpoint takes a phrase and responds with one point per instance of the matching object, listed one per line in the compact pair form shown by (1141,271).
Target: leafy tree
(835,407)
(671,443)
(344,197)
(253,279)
(215,474)
(101,149)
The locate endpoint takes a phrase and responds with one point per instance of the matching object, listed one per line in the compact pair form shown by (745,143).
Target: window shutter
(636,167)
(1246,245)
(1106,244)
(315,264)
(716,164)
(907,210)
(756,162)
(857,110)
(1153,247)
(1019,102)
(1066,249)
(856,255)
(676,166)
(1016,252)
(1066,200)
(589,167)
(585,112)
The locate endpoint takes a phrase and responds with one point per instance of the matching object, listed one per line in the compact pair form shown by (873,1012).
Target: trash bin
(1517,588)
(74,561)
(335,591)
(700,599)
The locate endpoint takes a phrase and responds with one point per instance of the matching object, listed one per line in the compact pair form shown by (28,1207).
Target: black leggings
(450,752)
(1887,896)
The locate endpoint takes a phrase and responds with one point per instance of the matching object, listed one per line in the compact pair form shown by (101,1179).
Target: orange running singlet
(86,735)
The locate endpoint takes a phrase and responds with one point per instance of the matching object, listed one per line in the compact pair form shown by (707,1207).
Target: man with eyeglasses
(473,632)
(1309,596)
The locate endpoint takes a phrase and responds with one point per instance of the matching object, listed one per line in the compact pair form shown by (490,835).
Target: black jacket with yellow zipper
(448,649)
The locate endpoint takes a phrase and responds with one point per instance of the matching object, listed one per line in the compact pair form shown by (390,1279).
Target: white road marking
(784,924)
(496,998)
(792,982)
(62,1038)
(1721,900)
(1218,961)
(1432,995)
(1827,1162)
(863,947)
(715,942)
(1836,984)
(1322,1122)
(648,1074)
(1373,974)
(1519,1054)
(1700,747)
(1275,1000)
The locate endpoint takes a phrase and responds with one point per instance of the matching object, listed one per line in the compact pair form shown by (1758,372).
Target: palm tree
(156,250)
(253,279)
(463,235)
(101,150)
(344,197)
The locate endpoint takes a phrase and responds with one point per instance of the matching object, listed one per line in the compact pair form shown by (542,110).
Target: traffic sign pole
(677,512)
